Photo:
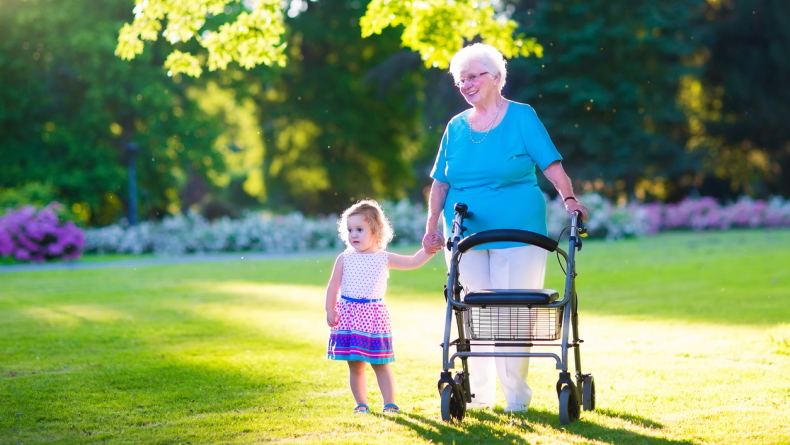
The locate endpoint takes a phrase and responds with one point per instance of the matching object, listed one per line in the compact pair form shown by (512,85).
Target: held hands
(332,318)
(432,242)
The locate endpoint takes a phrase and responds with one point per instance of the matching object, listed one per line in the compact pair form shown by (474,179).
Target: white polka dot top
(364,274)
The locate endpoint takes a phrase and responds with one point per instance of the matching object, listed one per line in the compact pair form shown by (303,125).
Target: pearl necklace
(489,126)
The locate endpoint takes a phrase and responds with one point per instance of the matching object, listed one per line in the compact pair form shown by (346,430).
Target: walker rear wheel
(569,405)
(588,393)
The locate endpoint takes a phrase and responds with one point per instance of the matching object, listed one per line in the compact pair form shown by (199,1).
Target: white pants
(513,268)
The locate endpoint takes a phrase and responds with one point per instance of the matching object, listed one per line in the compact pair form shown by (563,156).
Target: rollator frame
(455,391)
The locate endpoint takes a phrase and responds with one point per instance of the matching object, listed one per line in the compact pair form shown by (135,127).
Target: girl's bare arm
(404,262)
(333,292)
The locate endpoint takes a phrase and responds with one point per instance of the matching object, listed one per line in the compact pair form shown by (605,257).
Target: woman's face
(477,84)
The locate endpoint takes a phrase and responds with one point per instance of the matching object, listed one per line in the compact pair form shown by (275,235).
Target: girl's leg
(386,382)
(516,268)
(358,381)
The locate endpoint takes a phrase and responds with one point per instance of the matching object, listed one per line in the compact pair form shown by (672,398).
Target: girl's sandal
(361,409)
(391,408)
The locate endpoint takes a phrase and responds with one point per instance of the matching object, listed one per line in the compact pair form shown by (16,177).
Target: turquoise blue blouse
(496,178)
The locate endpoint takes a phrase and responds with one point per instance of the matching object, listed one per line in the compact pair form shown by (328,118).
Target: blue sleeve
(539,144)
(440,166)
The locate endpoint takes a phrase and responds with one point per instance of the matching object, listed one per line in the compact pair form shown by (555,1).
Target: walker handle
(521,236)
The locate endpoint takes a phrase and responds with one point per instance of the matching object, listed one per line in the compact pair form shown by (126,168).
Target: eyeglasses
(472,78)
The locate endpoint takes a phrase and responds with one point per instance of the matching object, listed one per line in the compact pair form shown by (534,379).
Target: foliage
(253,31)
(68,108)
(36,194)
(437,29)
(654,101)
(253,38)
(744,113)
(335,133)
(605,90)
(233,352)
(28,234)
(240,143)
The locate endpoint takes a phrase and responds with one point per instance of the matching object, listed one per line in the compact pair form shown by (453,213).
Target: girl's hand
(432,242)
(332,319)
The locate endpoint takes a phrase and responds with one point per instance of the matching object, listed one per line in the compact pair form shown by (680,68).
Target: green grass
(91,257)
(688,336)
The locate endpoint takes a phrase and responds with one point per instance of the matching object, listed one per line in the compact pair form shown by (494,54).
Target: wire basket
(513,323)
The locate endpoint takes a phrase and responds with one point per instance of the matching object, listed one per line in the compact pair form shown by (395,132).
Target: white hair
(488,56)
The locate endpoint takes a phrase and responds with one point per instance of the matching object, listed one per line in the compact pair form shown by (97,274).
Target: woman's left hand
(572,205)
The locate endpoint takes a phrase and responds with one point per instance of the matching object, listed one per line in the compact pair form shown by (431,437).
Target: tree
(436,29)
(334,132)
(68,107)
(744,101)
(606,89)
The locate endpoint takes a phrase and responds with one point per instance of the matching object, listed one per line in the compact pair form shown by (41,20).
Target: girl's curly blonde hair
(380,226)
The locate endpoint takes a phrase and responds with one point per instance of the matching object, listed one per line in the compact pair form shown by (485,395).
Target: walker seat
(511,297)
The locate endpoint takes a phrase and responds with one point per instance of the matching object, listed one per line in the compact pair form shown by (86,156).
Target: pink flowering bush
(610,221)
(28,234)
(708,214)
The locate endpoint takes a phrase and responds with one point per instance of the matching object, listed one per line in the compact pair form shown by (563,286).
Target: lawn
(687,335)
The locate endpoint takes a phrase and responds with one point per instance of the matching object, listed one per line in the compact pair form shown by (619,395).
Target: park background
(647,101)
(672,116)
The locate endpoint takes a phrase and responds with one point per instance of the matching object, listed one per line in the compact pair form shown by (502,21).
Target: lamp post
(131,156)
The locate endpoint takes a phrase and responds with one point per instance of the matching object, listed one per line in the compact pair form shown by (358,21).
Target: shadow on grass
(641,421)
(455,433)
(496,427)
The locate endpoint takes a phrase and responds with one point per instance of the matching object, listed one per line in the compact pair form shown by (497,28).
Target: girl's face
(360,236)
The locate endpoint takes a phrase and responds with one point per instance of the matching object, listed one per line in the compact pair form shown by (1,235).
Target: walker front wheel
(453,406)
(569,405)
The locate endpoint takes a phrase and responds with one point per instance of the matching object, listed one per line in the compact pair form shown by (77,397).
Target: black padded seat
(511,297)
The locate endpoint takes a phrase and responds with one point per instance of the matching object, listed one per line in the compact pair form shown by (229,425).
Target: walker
(513,317)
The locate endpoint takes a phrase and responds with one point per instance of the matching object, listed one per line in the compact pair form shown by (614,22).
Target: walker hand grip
(579,222)
(521,236)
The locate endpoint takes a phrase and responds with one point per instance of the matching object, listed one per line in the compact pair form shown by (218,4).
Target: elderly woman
(487,160)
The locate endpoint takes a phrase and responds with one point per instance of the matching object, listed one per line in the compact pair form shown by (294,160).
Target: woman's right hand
(432,241)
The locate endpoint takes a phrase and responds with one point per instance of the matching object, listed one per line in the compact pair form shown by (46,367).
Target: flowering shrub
(637,219)
(606,219)
(265,232)
(707,214)
(192,233)
(31,235)
(260,231)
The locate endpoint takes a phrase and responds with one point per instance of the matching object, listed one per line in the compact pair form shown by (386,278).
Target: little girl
(360,320)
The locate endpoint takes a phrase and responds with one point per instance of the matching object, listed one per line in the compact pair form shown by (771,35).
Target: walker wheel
(453,406)
(588,393)
(569,405)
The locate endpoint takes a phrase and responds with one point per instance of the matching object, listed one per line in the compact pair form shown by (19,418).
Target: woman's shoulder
(523,114)
(460,118)
(521,108)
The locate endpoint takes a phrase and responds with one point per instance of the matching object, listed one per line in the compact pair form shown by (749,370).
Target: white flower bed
(265,232)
